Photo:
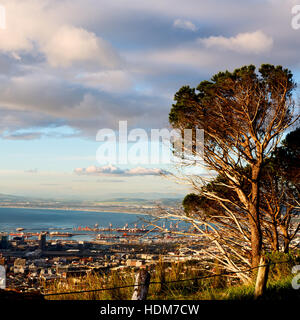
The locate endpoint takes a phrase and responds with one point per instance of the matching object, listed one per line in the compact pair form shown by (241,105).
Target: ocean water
(37,220)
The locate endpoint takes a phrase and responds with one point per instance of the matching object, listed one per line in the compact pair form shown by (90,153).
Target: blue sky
(69,68)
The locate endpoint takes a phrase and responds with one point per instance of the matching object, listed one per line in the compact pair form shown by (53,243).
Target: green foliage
(214,288)
(195,109)
(195,202)
(286,159)
(281,270)
(185,103)
(192,202)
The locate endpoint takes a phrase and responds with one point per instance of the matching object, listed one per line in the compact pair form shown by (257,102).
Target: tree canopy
(243,114)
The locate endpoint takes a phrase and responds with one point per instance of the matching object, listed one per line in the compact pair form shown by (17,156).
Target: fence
(142,281)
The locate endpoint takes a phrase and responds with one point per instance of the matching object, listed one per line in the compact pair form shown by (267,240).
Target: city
(29,263)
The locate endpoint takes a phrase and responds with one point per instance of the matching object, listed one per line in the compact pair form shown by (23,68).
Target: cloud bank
(87,64)
(111,170)
(184,24)
(248,42)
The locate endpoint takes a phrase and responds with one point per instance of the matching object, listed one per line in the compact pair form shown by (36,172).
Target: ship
(60,234)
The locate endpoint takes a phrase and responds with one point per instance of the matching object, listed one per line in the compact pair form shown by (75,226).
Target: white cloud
(70,44)
(38,100)
(113,170)
(184,24)
(212,54)
(249,42)
(89,93)
(27,23)
(140,171)
(38,26)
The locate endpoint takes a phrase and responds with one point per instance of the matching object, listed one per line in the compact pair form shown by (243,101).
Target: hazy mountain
(141,199)
(8,197)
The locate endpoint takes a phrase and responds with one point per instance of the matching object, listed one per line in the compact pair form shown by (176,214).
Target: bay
(37,220)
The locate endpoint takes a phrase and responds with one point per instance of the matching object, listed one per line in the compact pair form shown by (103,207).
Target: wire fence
(167,282)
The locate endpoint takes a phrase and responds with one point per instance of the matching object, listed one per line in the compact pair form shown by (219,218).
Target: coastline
(75,209)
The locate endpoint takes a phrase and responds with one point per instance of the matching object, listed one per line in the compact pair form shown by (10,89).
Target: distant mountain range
(126,200)
(148,196)
(8,197)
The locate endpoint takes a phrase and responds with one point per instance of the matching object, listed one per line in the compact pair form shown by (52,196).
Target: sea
(38,220)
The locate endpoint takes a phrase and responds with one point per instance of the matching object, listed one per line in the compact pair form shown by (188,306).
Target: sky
(69,68)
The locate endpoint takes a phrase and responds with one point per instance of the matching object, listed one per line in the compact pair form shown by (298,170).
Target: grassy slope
(278,287)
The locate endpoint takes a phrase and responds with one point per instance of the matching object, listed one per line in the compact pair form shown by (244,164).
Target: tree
(278,203)
(286,158)
(280,192)
(192,203)
(243,114)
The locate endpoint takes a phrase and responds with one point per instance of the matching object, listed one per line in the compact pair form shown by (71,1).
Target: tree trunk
(275,243)
(255,227)
(286,239)
(286,247)
(262,278)
(142,282)
(255,243)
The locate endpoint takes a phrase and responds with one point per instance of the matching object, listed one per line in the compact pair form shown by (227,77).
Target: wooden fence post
(142,282)
(262,278)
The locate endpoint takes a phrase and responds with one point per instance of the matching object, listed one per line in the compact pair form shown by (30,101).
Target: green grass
(218,288)
(276,290)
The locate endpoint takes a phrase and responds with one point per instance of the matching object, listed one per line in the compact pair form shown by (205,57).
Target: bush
(278,267)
